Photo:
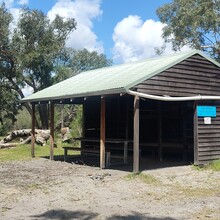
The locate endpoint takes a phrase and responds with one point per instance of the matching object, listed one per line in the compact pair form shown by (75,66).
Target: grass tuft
(147,178)
(215,166)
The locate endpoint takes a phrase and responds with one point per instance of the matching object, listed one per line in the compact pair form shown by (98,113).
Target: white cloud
(12,3)
(27,90)
(8,3)
(84,11)
(16,14)
(135,39)
(23,2)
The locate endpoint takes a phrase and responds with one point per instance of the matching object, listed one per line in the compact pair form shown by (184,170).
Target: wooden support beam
(127,120)
(52,131)
(160,150)
(184,126)
(33,131)
(102,133)
(136,135)
(195,131)
(83,125)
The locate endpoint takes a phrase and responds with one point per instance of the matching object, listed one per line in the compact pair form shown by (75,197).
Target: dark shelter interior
(166,128)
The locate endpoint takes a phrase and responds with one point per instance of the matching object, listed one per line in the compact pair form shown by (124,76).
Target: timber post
(195,132)
(33,131)
(102,133)
(160,150)
(51,131)
(136,135)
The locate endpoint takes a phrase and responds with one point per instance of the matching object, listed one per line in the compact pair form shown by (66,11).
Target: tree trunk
(43,112)
(28,107)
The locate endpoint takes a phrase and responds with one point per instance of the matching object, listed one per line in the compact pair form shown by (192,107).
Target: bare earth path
(43,189)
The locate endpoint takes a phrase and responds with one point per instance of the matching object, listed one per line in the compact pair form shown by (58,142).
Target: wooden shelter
(165,105)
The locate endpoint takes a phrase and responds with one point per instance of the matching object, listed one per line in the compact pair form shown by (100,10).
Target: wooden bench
(110,145)
(89,151)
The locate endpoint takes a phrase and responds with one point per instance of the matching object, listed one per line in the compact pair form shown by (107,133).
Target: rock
(65,134)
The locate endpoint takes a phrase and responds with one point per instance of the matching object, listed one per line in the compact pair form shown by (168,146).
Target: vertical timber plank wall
(209,136)
(194,76)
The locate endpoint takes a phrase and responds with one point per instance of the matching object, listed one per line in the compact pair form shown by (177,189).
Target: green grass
(147,178)
(23,152)
(215,166)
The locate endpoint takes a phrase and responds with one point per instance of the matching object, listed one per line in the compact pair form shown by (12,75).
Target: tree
(83,60)
(195,23)
(29,54)
(74,62)
(77,61)
(9,106)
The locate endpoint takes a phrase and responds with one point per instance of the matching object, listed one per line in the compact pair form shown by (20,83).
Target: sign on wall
(206,111)
(207,120)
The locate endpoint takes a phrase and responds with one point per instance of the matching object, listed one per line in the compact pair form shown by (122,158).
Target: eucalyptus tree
(9,106)
(29,52)
(195,23)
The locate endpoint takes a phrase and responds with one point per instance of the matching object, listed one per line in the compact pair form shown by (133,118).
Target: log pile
(41,137)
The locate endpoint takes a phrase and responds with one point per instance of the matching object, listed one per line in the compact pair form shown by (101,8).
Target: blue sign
(206,111)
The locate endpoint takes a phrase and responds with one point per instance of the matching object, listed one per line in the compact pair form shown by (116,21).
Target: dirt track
(43,189)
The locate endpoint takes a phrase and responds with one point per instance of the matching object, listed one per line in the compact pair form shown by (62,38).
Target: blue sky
(125,30)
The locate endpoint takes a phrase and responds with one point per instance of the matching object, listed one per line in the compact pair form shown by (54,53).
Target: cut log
(8,145)
(41,137)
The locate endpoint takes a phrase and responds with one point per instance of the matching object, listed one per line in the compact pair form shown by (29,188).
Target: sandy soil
(43,189)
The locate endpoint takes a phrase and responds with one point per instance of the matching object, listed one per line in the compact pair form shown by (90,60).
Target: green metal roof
(110,80)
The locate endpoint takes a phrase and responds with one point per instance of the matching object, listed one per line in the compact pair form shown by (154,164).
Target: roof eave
(69,96)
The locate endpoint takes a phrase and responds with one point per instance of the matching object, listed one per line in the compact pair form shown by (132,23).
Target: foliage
(77,61)
(76,124)
(23,120)
(64,115)
(83,60)
(195,23)
(33,54)
(30,52)
(9,107)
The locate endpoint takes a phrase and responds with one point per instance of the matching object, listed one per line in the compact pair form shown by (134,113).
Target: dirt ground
(43,189)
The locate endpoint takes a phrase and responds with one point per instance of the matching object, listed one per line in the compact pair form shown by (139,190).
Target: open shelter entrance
(165,128)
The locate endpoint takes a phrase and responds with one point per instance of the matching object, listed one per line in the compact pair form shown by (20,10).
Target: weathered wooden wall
(208,137)
(194,76)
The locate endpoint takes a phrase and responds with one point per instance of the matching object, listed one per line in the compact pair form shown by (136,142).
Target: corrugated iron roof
(110,80)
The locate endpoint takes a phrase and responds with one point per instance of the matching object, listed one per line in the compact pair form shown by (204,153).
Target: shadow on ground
(62,214)
(146,163)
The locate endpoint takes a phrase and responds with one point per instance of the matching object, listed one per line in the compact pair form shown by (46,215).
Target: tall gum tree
(195,23)
(29,54)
